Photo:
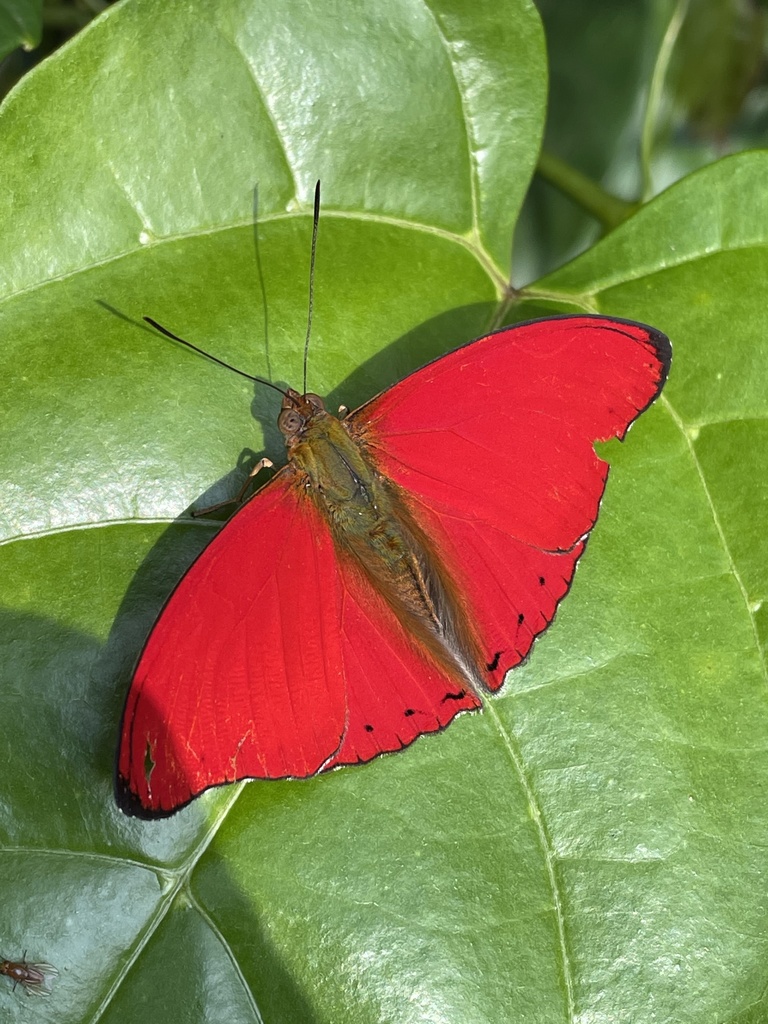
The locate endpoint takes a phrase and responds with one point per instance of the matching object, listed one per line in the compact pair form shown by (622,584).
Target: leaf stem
(654,102)
(608,209)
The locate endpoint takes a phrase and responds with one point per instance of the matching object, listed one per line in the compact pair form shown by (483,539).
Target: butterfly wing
(272,658)
(492,447)
(394,692)
(213,698)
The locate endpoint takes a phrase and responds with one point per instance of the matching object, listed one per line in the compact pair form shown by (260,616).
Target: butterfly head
(297,412)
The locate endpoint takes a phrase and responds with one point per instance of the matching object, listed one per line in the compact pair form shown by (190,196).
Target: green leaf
(590,846)
(600,53)
(129,164)
(21,24)
(688,74)
(718,58)
(648,748)
(708,88)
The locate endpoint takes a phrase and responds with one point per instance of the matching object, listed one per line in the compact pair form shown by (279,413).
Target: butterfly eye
(315,401)
(290,422)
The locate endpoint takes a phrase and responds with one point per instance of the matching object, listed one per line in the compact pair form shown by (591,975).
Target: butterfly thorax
(371,524)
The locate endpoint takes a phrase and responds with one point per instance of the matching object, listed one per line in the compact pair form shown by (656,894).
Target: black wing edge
(132,807)
(657,338)
(129,803)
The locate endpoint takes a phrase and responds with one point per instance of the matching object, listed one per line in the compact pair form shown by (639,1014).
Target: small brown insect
(33,977)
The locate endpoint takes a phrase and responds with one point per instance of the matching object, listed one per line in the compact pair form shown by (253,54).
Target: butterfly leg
(261,464)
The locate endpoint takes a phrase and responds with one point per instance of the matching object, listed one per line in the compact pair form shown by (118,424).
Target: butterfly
(392,573)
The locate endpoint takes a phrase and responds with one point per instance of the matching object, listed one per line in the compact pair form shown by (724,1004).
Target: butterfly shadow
(428,341)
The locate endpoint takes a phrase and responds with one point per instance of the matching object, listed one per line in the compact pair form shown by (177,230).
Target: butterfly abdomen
(372,527)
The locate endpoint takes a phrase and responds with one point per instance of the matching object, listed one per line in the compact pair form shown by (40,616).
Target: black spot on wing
(493,664)
(454,696)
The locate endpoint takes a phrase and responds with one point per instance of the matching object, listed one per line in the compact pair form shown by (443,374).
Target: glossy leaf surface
(592,842)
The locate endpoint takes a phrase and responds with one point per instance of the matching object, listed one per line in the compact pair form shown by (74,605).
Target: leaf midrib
(467,242)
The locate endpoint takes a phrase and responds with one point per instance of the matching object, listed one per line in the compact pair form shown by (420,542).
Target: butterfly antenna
(315,222)
(213,359)
(260,272)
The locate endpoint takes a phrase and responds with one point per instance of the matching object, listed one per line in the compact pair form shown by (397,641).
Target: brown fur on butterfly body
(372,526)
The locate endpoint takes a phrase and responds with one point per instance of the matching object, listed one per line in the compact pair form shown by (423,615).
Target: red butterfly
(394,570)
